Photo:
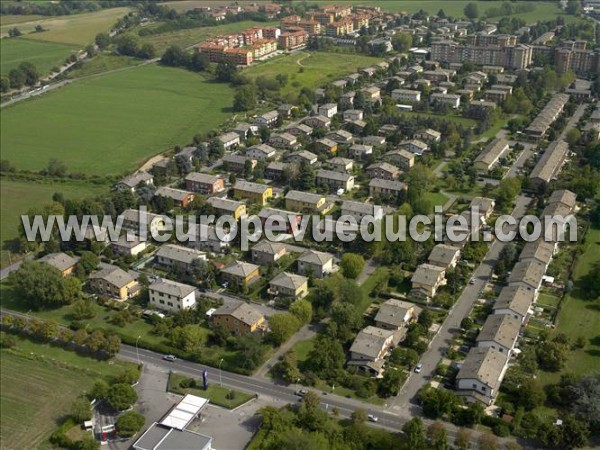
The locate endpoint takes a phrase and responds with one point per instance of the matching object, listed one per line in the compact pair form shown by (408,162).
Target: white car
(372,418)
(418,368)
(169,358)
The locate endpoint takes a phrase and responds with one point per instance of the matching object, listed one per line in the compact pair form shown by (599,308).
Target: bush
(129,423)
(501,430)
(187,383)
(121,396)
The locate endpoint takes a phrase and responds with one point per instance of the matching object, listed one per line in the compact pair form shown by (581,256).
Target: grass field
(77,29)
(102,63)
(186,38)
(11,19)
(303,348)
(111,124)
(45,55)
(581,317)
(318,68)
(39,383)
(19,196)
(463,121)
(217,395)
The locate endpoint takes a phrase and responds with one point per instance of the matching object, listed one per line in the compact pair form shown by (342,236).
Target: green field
(318,68)
(77,29)
(102,63)
(45,55)
(19,196)
(39,383)
(463,121)
(217,395)
(10,19)
(581,317)
(111,124)
(186,38)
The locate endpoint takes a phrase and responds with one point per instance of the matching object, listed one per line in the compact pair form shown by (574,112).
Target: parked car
(418,368)
(169,358)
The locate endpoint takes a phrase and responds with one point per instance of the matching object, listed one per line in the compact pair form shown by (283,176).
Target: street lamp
(220,378)
(137,352)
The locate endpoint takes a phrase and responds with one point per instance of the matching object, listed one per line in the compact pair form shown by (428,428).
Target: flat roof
(184,412)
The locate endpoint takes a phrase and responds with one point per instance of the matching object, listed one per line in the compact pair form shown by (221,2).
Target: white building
(172,296)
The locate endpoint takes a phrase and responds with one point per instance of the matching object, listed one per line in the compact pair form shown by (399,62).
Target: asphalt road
(442,340)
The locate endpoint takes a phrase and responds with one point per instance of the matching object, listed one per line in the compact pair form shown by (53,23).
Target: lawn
(318,68)
(581,317)
(186,38)
(217,395)
(463,121)
(44,55)
(102,63)
(77,29)
(10,19)
(109,125)
(19,196)
(303,348)
(436,198)
(39,383)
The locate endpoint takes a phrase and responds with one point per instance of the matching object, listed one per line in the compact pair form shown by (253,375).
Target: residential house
(62,262)
(353,114)
(289,285)
(361,151)
(383,170)
(172,296)
(306,202)
(279,220)
(369,348)
(114,282)
(328,110)
(244,130)
(253,192)
(428,135)
(284,140)
(238,318)
(550,164)
(171,255)
(267,252)
(481,374)
(353,78)
(527,274)
(237,163)
(396,314)
(500,331)
(285,110)
(230,140)
(359,210)
(339,164)
(491,154)
(515,301)
(302,156)
(372,93)
(347,99)
(128,244)
(240,273)
(209,238)
(402,158)
(379,187)
(268,119)
(140,221)
(415,146)
(317,264)
(132,182)
(317,121)
(299,130)
(204,183)
(261,152)
(426,280)
(275,170)
(335,180)
(538,251)
(387,129)
(326,145)
(180,198)
(451,100)
(444,256)
(227,207)
(564,197)
(340,136)
(406,95)
(483,205)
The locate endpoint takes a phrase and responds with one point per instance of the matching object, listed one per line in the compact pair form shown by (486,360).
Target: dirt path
(299,62)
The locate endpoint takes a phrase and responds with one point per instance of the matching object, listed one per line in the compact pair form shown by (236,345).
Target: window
(162,302)
(482,388)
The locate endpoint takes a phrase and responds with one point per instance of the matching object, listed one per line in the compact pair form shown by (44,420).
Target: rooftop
(502,329)
(241,311)
(173,288)
(394,312)
(485,365)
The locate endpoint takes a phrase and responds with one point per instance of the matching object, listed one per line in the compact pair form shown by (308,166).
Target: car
(418,368)
(472,281)
(301,392)
(372,418)
(169,358)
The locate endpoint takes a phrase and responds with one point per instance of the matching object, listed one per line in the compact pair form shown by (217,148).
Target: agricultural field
(39,383)
(44,55)
(189,37)
(310,69)
(82,124)
(580,317)
(11,19)
(102,63)
(76,29)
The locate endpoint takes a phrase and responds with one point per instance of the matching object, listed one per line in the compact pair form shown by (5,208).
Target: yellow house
(289,285)
(114,282)
(306,201)
(240,272)
(224,206)
(253,192)
(238,318)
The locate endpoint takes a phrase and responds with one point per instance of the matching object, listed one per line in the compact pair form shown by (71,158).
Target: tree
(199,62)
(32,75)
(302,309)
(389,385)
(402,42)
(245,98)
(99,390)
(129,423)
(283,325)
(358,416)
(112,345)
(88,262)
(466,323)
(471,11)
(16,78)
(90,51)
(216,149)
(414,431)
(4,86)
(251,351)
(426,319)
(56,168)
(437,436)
(14,32)
(146,51)
(575,432)
(405,356)
(573,136)
(463,439)
(95,341)
(530,394)
(81,410)
(102,40)
(487,441)
(175,56)
(552,355)
(352,265)
(327,357)
(121,396)
(187,338)
(225,71)
(128,45)
(287,368)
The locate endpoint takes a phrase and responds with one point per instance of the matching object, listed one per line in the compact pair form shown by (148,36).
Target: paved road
(442,340)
